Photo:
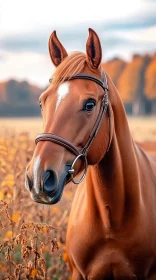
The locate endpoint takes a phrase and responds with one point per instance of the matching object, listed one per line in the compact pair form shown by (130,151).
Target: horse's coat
(112,225)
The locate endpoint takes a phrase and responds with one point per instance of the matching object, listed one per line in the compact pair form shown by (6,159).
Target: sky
(124,28)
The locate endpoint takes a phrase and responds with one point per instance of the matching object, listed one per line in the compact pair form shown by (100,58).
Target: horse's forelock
(71,65)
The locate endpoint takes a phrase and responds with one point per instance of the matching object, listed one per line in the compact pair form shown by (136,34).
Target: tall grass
(32,237)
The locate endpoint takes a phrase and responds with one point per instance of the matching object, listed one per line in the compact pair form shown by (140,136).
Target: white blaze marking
(26,183)
(35,173)
(62,91)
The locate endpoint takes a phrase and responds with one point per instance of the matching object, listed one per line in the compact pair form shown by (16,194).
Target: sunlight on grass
(142,128)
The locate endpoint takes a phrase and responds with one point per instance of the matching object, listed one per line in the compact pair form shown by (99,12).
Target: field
(32,241)
(143,129)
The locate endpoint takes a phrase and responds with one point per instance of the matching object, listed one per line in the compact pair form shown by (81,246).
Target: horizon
(20,80)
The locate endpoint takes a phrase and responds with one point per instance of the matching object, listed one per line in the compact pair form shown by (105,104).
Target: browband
(101,83)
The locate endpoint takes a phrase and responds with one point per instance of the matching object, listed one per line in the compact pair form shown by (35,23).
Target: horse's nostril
(49,182)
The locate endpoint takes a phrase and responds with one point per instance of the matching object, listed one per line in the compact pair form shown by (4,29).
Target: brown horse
(112,226)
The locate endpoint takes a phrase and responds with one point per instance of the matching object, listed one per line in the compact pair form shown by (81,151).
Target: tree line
(135,81)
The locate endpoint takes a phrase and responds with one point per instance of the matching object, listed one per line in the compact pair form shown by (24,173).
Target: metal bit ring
(71,171)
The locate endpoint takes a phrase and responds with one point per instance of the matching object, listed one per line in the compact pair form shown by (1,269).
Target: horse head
(74,126)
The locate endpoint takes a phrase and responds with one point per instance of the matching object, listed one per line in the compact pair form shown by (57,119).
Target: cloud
(2,58)
(143,35)
(24,42)
(36,68)
(131,41)
(73,37)
(126,28)
(23,15)
(27,34)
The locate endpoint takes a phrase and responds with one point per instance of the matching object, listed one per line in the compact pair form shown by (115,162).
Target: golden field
(32,241)
(142,128)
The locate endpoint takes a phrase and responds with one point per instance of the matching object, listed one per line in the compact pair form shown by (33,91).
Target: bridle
(67,144)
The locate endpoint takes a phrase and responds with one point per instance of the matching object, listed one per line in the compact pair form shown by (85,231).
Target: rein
(67,144)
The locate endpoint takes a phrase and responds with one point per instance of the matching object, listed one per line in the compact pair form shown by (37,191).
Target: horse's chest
(97,258)
(98,261)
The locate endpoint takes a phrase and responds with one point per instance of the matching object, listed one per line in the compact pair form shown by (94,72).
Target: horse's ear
(56,49)
(93,49)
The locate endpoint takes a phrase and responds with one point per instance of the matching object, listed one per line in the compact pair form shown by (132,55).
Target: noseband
(67,144)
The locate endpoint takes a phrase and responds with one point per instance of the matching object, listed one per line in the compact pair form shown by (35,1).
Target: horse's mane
(70,66)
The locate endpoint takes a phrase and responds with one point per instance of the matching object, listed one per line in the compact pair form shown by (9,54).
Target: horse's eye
(89,105)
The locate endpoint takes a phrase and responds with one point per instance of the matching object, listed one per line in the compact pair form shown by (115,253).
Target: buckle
(72,170)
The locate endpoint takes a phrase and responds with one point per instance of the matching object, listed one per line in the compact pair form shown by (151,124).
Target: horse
(86,139)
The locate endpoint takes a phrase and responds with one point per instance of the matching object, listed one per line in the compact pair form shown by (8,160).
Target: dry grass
(32,241)
(142,128)
(19,125)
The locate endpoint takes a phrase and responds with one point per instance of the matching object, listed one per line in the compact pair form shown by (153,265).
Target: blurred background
(127,30)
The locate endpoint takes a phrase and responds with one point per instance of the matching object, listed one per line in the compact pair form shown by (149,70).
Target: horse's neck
(113,186)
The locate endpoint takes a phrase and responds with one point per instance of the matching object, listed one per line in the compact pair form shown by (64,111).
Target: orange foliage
(114,68)
(131,80)
(150,79)
(3,95)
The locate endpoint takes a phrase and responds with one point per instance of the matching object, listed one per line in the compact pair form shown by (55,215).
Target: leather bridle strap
(58,140)
(101,83)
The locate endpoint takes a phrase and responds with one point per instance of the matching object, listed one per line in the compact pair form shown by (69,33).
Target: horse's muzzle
(50,189)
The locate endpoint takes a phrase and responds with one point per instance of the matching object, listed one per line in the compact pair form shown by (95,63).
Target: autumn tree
(19,98)
(135,80)
(131,83)
(13,91)
(3,95)
(150,83)
(114,68)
